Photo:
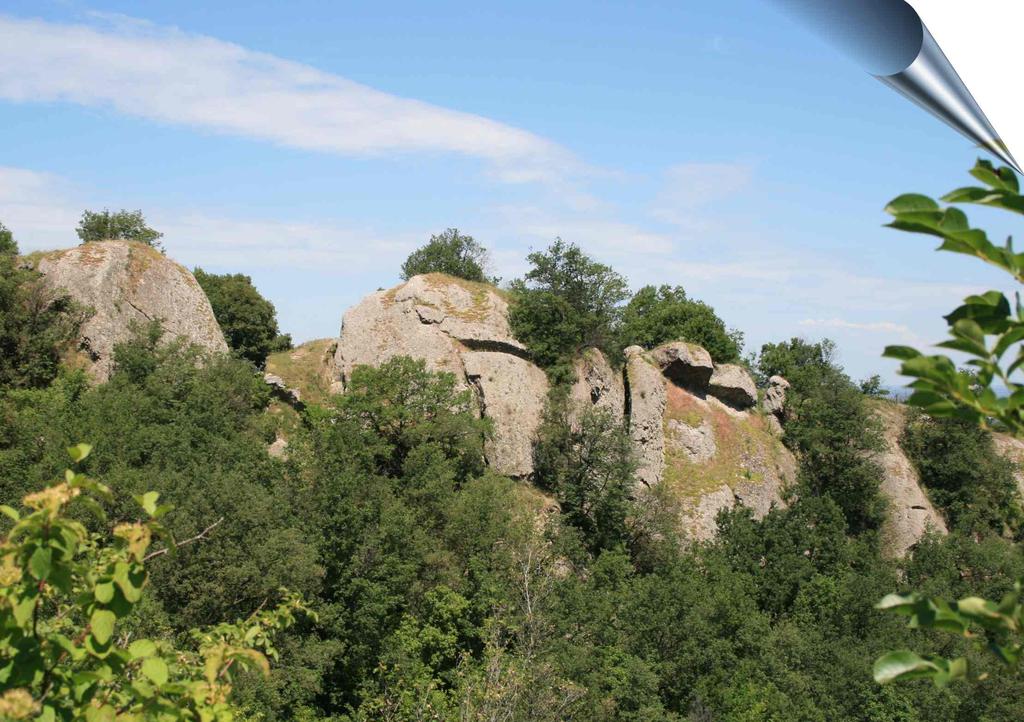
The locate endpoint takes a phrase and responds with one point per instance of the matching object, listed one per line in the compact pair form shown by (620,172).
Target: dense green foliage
(37,327)
(248,320)
(830,428)
(452,253)
(982,494)
(566,302)
(443,591)
(68,595)
(657,314)
(965,476)
(118,226)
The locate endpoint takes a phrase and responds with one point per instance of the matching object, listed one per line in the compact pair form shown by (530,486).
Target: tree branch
(197,537)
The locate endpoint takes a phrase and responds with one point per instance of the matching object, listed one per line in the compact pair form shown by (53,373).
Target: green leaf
(9,512)
(148,501)
(901,352)
(155,669)
(910,203)
(102,625)
(903,664)
(104,592)
(141,648)
(41,562)
(79,452)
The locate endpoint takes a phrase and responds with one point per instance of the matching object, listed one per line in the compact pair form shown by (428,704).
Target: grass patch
(743,445)
(305,368)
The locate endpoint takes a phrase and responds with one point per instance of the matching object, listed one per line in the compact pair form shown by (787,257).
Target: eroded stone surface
(733,384)
(597,385)
(646,399)
(128,285)
(686,364)
(910,513)
(512,392)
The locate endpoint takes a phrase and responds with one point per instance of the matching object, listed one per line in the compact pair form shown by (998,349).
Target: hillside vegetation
(383,569)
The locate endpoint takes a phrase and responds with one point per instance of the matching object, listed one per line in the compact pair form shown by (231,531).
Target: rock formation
(701,438)
(460,327)
(909,514)
(597,385)
(128,284)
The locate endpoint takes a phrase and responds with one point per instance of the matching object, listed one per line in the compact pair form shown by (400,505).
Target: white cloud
(170,76)
(886,327)
(689,186)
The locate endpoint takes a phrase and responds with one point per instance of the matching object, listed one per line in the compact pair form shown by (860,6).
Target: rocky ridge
(126,285)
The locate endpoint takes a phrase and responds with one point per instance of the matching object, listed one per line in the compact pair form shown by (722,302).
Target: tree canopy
(248,320)
(117,226)
(657,314)
(566,302)
(450,252)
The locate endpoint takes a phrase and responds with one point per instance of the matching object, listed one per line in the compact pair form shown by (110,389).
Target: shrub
(450,252)
(120,226)
(248,320)
(68,596)
(664,313)
(37,327)
(565,303)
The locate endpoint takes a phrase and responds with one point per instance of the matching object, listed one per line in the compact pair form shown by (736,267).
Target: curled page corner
(933,83)
(889,40)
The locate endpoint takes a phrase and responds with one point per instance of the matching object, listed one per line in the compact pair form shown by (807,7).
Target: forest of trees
(387,574)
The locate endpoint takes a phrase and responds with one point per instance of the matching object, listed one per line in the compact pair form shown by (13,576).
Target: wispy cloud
(887,327)
(690,186)
(170,76)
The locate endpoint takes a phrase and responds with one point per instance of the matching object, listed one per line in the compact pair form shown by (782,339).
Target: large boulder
(687,364)
(597,385)
(433,317)
(909,513)
(128,284)
(511,392)
(732,384)
(460,327)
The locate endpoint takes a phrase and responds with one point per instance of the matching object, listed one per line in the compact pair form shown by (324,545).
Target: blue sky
(313,145)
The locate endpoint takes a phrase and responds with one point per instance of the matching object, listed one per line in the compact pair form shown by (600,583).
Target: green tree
(67,596)
(985,328)
(117,226)
(566,302)
(450,252)
(964,474)
(830,428)
(657,314)
(248,320)
(589,465)
(37,326)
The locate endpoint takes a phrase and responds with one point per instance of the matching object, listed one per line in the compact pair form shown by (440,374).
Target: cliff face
(127,283)
(695,426)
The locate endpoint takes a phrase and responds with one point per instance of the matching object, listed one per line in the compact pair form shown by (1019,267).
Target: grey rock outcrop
(775,396)
(512,392)
(126,284)
(431,317)
(910,513)
(597,385)
(462,328)
(732,384)
(686,364)
(646,403)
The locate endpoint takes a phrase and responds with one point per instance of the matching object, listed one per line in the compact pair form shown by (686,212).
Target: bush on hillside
(248,320)
(37,327)
(566,302)
(657,314)
(452,253)
(117,226)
